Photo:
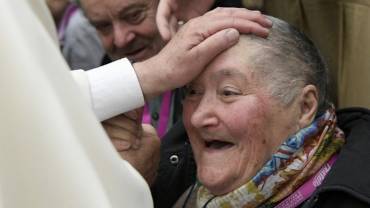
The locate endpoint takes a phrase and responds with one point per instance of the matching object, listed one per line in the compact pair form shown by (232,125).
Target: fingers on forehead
(242,25)
(242,13)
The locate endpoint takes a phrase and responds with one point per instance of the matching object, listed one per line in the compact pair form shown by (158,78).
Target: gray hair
(288,61)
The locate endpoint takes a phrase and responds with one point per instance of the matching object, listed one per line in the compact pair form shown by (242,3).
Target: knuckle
(257,14)
(215,10)
(226,11)
(218,9)
(192,21)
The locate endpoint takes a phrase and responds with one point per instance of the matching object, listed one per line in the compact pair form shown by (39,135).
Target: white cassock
(53,150)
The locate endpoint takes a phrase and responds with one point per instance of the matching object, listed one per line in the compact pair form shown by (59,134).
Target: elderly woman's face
(234,125)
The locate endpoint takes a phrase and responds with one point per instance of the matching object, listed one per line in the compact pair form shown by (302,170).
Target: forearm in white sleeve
(113,88)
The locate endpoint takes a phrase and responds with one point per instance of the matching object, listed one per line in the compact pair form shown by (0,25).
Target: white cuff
(115,89)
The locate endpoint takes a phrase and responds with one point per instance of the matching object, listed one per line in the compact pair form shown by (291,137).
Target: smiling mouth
(218,145)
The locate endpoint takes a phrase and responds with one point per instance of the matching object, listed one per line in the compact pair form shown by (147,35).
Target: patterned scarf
(298,158)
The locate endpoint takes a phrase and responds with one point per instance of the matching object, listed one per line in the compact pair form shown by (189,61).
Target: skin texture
(126,28)
(135,142)
(228,102)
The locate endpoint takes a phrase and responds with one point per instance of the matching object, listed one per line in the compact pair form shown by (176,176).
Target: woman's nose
(205,114)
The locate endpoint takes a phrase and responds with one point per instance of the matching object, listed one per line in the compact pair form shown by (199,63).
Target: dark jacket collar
(351,171)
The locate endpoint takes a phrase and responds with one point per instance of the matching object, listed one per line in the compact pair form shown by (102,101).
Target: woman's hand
(135,142)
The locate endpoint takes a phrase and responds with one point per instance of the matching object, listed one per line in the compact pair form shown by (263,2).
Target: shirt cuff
(115,89)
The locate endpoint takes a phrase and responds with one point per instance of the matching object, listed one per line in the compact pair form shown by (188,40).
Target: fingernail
(267,32)
(268,21)
(232,34)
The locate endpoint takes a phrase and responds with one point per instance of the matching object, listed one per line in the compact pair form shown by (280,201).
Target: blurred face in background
(127,28)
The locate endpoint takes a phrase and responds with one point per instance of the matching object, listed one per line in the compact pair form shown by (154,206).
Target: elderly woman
(263,133)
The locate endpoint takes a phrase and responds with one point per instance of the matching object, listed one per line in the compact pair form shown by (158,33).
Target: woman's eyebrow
(229,73)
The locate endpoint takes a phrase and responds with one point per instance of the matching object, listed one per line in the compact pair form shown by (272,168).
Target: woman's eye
(192,92)
(230,92)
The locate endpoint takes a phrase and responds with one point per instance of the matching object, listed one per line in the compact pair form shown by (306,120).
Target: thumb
(164,28)
(217,43)
(163,17)
(149,131)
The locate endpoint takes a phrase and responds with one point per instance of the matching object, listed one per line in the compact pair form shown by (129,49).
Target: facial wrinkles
(250,120)
(229,74)
(131,41)
(252,145)
(243,130)
(211,100)
(238,81)
(135,20)
(256,117)
(136,44)
(232,127)
(203,111)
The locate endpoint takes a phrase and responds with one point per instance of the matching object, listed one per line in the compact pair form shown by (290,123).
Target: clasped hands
(137,143)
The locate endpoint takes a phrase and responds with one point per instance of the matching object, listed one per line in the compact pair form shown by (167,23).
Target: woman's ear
(308,104)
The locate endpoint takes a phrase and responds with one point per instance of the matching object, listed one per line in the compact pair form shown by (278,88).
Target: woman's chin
(216,181)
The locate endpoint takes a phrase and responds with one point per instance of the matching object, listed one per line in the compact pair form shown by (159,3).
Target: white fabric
(114,89)
(110,89)
(53,151)
(83,82)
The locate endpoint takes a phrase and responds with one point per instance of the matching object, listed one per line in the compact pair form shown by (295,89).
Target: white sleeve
(113,88)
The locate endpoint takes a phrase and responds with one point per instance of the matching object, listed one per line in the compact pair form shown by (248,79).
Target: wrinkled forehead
(233,62)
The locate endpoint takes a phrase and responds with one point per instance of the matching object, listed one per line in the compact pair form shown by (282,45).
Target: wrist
(150,78)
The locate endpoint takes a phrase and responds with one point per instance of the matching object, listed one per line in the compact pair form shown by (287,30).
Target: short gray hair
(287,61)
